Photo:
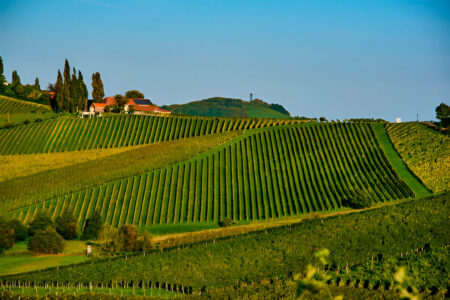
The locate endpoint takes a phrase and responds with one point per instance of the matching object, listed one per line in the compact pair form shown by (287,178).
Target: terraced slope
(426,152)
(26,190)
(68,134)
(263,174)
(11,105)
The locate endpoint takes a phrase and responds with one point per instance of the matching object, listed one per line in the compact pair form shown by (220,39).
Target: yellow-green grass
(18,259)
(259,111)
(264,174)
(12,166)
(28,190)
(12,105)
(396,161)
(68,134)
(425,152)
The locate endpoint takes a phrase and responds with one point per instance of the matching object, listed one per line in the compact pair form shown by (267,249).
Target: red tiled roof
(99,104)
(112,101)
(151,108)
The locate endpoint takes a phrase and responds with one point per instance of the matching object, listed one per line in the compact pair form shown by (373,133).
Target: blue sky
(336,59)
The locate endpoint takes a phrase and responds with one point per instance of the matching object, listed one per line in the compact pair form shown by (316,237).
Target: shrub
(144,242)
(37,120)
(8,125)
(323,119)
(109,238)
(46,241)
(127,237)
(226,222)
(66,225)
(40,222)
(26,121)
(93,227)
(6,236)
(20,231)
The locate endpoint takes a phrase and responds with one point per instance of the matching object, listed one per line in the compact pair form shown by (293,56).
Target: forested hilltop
(229,107)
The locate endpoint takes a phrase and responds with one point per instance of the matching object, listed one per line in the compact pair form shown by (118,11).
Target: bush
(127,237)
(144,242)
(37,120)
(66,225)
(93,227)
(323,119)
(20,231)
(226,222)
(6,236)
(46,241)
(40,222)
(109,237)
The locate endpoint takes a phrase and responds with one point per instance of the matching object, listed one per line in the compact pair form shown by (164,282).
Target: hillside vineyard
(10,105)
(68,134)
(263,174)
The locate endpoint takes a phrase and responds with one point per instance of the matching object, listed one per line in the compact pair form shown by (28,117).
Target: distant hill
(229,107)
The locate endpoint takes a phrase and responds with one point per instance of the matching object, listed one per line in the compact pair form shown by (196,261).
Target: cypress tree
(16,85)
(2,77)
(74,91)
(36,84)
(58,99)
(97,92)
(83,91)
(67,99)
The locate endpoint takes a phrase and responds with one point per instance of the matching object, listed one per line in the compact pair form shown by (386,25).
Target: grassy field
(241,180)
(426,152)
(276,253)
(18,259)
(35,188)
(69,134)
(255,110)
(396,161)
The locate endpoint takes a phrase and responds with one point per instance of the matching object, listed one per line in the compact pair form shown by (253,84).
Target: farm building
(140,106)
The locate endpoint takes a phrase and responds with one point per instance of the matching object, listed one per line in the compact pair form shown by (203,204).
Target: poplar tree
(16,85)
(83,90)
(2,77)
(36,84)
(58,99)
(67,99)
(97,88)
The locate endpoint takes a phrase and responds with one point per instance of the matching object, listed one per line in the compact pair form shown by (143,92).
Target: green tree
(20,231)
(144,242)
(97,88)
(83,91)
(40,222)
(46,241)
(36,84)
(2,77)
(109,238)
(58,99)
(6,235)
(66,225)
(16,86)
(120,102)
(93,227)
(443,114)
(134,94)
(127,237)
(68,103)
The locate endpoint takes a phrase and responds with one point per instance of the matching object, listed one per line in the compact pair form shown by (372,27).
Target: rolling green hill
(12,105)
(229,107)
(68,134)
(262,174)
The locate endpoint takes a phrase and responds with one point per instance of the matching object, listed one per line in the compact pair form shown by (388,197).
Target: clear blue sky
(338,59)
